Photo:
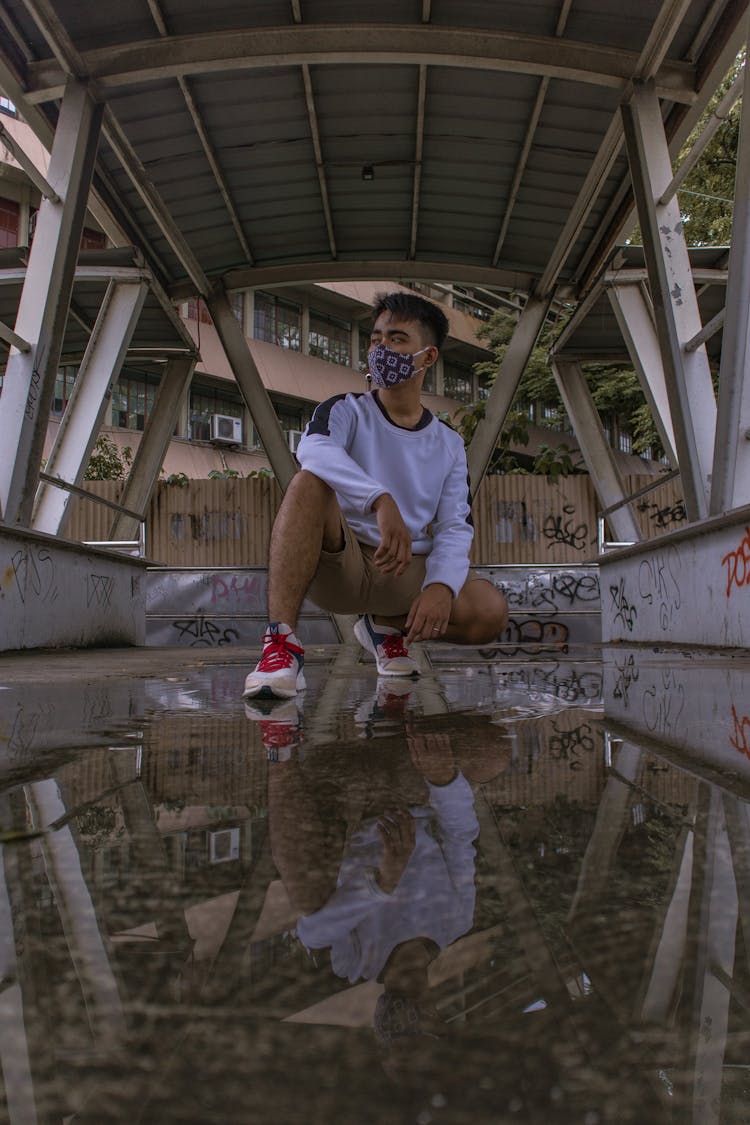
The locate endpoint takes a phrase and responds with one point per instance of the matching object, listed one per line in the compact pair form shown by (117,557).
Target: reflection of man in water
(406,874)
(375,847)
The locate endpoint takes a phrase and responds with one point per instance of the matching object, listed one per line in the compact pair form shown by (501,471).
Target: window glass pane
(458,382)
(132,402)
(9,212)
(329,339)
(205,402)
(277,321)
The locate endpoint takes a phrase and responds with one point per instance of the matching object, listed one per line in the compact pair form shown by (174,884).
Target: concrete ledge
(55,593)
(690,587)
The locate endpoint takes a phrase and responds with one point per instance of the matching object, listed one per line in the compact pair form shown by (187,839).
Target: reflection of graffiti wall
(699,708)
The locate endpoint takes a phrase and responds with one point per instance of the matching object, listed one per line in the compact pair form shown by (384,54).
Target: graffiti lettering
(626,613)
(201,632)
(99,589)
(738,564)
(662,708)
(33,394)
(570,534)
(34,571)
(530,636)
(739,737)
(247,588)
(556,592)
(627,674)
(664,517)
(566,745)
(574,588)
(658,584)
(562,682)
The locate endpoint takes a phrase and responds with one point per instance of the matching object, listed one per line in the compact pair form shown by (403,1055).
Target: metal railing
(603,544)
(135,547)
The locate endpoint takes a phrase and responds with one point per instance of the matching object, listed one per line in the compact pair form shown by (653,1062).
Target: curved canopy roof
(476,141)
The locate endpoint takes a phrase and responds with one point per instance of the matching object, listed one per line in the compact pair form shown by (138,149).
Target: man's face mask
(388,368)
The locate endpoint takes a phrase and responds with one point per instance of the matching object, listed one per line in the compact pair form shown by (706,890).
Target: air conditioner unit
(226,429)
(293,437)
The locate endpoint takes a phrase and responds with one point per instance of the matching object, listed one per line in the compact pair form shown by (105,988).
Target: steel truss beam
(638,330)
(251,386)
(208,148)
(688,377)
(361,44)
(149,458)
(597,452)
(395,269)
(507,379)
(91,393)
(730,482)
(29,382)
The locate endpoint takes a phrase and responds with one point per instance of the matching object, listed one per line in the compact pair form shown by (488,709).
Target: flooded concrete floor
(502,892)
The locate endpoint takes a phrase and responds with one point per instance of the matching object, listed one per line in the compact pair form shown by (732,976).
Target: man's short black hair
(408,306)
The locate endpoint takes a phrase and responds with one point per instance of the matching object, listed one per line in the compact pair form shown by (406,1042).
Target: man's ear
(431,355)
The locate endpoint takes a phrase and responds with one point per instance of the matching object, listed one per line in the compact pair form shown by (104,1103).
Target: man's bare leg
(308,521)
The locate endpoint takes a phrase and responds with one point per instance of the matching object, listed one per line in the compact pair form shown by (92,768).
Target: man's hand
(432,755)
(394,553)
(430,613)
(398,833)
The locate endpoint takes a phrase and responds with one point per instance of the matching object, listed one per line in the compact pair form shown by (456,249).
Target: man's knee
(484,612)
(306,484)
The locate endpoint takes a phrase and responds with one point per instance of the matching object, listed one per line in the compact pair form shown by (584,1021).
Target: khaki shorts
(347,581)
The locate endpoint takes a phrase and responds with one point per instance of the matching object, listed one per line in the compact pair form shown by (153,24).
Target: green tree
(106,461)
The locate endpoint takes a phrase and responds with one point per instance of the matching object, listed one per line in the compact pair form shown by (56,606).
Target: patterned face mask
(388,368)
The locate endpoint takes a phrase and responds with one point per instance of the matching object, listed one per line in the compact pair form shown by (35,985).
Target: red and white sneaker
(278,673)
(280,727)
(387,646)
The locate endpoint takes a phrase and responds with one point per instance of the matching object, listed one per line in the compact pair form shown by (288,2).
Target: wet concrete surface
(504,891)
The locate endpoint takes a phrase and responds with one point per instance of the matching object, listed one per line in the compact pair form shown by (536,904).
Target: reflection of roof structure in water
(184,849)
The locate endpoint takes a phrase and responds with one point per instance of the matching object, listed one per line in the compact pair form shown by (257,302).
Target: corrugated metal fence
(518,519)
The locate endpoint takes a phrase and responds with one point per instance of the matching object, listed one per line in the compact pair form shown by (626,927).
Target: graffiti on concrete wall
(740,736)
(659,586)
(200,631)
(33,569)
(626,611)
(737,564)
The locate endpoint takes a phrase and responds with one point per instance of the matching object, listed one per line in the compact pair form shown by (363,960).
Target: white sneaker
(387,646)
(278,673)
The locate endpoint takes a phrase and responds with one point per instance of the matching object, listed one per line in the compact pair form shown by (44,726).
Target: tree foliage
(106,461)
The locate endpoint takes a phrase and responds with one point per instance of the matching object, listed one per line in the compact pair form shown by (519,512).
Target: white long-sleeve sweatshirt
(353,446)
(434,898)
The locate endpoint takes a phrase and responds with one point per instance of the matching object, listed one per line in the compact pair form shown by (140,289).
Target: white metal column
(144,472)
(29,381)
(730,484)
(248,378)
(84,413)
(688,377)
(516,357)
(639,332)
(597,452)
